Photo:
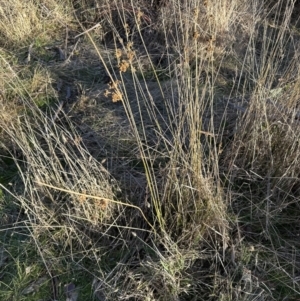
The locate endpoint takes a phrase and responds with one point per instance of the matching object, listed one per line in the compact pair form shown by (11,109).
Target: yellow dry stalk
(186,56)
(114,91)
(129,46)
(130,55)
(127,29)
(118,53)
(117,96)
(107,93)
(114,84)
(139,15)
(124,65)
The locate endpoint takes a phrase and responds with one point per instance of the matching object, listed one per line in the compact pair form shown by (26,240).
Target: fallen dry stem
(97,198)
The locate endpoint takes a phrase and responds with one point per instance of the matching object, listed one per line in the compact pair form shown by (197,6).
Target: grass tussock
(149,150)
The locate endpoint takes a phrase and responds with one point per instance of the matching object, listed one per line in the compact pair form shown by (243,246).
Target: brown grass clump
(22,24)
(59,162)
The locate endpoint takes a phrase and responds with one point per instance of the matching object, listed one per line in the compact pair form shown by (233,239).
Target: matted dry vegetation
(149,150)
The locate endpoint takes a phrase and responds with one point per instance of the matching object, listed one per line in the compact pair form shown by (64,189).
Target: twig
(88,30)
(97,198)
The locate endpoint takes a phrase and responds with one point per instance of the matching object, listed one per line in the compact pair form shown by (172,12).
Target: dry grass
(150,150)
